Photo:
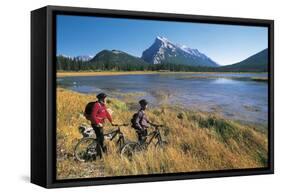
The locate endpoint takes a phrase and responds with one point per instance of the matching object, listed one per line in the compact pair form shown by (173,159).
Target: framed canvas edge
(52,182)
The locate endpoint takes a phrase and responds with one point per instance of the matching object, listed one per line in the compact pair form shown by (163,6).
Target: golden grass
(197,141)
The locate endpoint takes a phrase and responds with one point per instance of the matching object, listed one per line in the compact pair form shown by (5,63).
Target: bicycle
(133,147)
(88,148)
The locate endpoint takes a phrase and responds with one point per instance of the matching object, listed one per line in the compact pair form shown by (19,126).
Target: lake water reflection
(236,95)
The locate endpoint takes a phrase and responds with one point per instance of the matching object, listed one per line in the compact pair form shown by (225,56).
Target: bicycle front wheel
(161,144)
(87,149)
(129,149)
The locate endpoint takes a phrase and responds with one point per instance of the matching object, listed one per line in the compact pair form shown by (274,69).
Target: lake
(234,95)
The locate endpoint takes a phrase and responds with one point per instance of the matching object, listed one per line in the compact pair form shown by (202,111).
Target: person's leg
(139,136)
(99,135)
(144,135)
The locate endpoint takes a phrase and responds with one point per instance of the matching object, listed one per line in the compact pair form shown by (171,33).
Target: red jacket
(99,114)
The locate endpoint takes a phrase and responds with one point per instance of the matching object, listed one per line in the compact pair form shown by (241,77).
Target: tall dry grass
(197,141)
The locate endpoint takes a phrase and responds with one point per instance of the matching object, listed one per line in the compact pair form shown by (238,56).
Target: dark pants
(141,135)
(99,134)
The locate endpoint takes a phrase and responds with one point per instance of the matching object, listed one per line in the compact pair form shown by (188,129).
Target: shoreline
(112,73)
(183,108)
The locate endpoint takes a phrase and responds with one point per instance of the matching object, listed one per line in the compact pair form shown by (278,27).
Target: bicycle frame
(154,134)
(112,135)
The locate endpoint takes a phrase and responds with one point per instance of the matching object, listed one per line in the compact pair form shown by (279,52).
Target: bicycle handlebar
(155,125)
(120,125)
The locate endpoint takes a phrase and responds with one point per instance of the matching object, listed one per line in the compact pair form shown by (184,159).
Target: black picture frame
(43,96)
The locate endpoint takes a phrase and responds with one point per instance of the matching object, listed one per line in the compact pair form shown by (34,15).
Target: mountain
(256,62)
(83,58)
(164,51)
(64,56)
(116,57)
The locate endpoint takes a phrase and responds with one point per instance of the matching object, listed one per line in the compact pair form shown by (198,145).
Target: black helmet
(143,102)
(101,96)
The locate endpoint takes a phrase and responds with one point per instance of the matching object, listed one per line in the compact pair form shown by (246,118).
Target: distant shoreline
(103,73)
(112,73)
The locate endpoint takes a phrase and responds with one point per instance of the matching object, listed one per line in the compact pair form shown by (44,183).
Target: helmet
(101,96)
(143,102)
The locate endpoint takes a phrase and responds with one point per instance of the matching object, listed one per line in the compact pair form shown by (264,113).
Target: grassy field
(198,141)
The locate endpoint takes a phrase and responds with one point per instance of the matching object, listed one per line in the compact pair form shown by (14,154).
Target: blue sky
(225,44)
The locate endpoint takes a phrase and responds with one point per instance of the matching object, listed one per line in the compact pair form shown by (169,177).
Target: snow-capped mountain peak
(165,51)
(169,44)
(165,42)
(192,51)
(162,39)
(117,51)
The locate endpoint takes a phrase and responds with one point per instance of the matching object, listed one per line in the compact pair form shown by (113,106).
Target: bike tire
(130,149)
(87,149)
(161,144)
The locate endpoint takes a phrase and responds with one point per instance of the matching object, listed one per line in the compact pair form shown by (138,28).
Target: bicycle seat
(108,136)
(111,134)
(86,131)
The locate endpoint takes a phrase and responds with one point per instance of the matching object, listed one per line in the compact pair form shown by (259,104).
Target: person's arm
(145,122)
(94,113)
(108,116)
(149,122)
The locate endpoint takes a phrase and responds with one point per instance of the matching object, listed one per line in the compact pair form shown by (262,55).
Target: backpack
(134,120)
(88,110)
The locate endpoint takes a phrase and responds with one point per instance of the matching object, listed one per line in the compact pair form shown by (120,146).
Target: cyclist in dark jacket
(141,123)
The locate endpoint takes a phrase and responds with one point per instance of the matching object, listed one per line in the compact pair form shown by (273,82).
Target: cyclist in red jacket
(98,116)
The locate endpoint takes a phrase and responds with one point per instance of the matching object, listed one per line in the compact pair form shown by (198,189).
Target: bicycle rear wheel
(130,149)
(87,149)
